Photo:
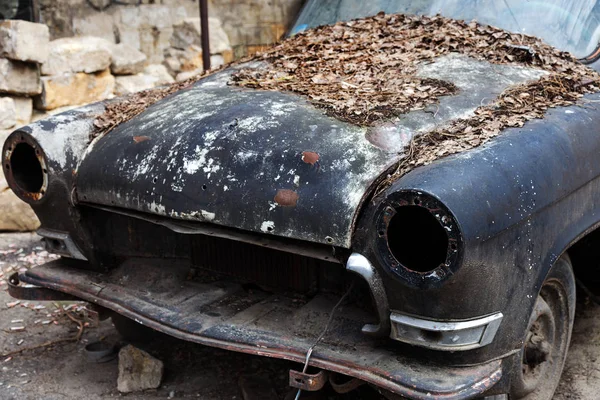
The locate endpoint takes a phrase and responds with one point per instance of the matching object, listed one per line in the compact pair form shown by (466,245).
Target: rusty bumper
(164,296)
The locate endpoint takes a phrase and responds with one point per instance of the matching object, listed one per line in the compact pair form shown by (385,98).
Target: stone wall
(148,24)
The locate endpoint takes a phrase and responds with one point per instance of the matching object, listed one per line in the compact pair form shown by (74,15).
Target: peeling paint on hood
(64,137)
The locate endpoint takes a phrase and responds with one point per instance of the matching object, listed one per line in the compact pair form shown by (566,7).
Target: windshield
(570,25)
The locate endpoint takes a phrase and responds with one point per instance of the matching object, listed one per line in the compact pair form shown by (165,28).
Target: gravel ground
(59,370)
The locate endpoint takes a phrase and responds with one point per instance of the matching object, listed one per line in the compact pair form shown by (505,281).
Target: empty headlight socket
(417,238)
(25,167)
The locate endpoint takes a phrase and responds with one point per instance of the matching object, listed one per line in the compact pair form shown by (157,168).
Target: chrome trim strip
(476,332)
(360,265)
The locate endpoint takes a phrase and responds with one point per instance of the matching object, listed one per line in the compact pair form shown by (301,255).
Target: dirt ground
(61,370)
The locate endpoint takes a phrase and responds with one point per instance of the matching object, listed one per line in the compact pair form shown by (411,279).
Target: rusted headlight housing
(24,165)
(419,240)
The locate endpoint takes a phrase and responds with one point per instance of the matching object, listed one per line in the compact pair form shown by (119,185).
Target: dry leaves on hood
(363,71)
(127,107)
(512,109)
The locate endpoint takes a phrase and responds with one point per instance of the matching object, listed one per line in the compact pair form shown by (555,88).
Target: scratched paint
(267,226)
(66,135)
(221,154)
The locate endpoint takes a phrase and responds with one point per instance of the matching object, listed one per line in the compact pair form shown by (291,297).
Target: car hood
(264,161)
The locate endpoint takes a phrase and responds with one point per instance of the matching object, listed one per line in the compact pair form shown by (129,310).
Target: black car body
(236,218)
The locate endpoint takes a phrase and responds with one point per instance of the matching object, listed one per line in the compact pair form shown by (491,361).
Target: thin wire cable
(514,17)
(322,335)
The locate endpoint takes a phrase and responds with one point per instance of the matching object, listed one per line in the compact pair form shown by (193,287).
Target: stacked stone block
(250,24)
(183,58)
(77,72)
(23,48)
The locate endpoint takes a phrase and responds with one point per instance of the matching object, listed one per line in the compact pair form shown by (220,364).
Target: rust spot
(33,195)
(140,139)
(310,157)
(286,198)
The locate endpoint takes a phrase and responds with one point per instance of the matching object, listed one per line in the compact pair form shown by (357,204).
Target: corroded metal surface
(267,162)
(9,149)
(23,291)
(222,314)
(308,382)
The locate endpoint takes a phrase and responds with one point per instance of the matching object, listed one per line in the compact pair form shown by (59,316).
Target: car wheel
(548,335)
(132,331)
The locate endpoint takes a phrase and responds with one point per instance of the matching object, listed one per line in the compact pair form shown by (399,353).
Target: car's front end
(251,221)
(232,230)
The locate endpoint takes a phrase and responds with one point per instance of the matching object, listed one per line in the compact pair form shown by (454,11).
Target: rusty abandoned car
(403,198)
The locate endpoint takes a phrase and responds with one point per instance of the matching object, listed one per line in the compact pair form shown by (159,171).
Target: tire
(132,331)
(548,336)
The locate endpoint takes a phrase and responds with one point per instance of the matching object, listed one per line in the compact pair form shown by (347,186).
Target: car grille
(117,237)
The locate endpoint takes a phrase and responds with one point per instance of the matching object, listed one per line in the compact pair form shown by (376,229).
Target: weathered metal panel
(521,201)
(267,162)
(261,161)
(225,315)
(30,292)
